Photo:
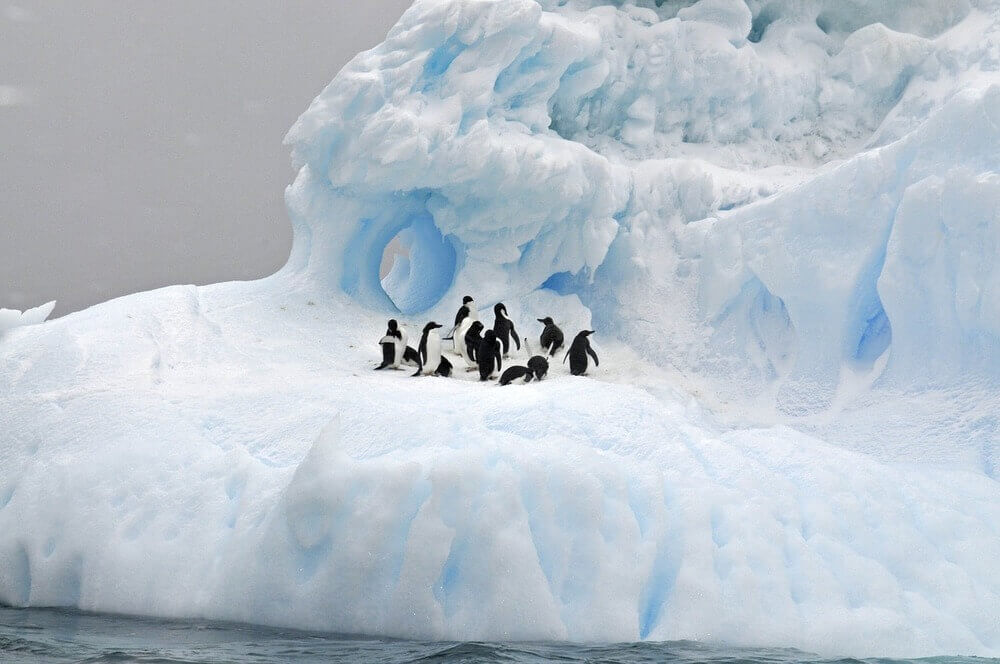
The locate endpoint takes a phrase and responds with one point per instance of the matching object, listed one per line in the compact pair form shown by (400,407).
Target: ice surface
(781,218)
(11,318)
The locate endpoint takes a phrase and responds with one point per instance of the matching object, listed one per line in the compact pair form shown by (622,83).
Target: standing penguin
(578,352)
(467,315)
(393,346)
(552,337)
(466,311)
(489,355)
(503,327)
(430,353)
(473,338)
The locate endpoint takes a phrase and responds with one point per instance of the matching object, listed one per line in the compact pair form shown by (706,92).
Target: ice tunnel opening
(762,21)
(417,265)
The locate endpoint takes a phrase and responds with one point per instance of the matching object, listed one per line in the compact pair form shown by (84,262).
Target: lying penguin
(537,367)
(578,352)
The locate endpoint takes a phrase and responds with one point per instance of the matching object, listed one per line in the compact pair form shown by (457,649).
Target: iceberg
(782,219)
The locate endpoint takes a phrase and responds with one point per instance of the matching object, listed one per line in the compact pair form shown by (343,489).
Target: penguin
(461,330)
(489,355)
(412,358)
(515,372)
(430,352)
(444,368)
(472,340)
(504,328)
(537,367)
(467,310)
(578,352)
(393,346)
(552,337)
(470,304)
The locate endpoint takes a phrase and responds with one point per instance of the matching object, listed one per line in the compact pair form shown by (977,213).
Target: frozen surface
(781,218)
(11,318)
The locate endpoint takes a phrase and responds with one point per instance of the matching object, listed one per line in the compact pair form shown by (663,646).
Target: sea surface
(57,635)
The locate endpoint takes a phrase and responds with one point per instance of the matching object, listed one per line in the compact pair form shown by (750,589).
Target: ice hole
(417,266)
(768,15)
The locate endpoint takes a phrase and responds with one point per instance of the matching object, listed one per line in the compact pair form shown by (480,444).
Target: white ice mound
(11,318)
(782,218)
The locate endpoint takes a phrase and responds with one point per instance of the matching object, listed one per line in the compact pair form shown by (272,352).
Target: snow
(782,220)
(11,318)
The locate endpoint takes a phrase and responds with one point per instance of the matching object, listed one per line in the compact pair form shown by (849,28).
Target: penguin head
(500,310)
(476,327)
(584,334)
(393,325)
(490,336)
(431,326)
(466,300)
(547,320)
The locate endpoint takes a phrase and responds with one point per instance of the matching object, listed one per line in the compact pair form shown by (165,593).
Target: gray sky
(140,140)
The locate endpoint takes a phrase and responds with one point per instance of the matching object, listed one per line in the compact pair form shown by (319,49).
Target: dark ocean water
(55,635)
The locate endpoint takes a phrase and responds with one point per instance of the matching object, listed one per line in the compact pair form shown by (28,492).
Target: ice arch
(420,275)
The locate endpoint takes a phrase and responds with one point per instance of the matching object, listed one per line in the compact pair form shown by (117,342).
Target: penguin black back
(578,352)
(387,344)
(489,356)
(515,372)
(473,339)
(539,366)
(503,327)
(552,337)
(464,310)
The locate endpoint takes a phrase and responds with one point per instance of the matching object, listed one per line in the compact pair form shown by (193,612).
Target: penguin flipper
(517,339)
(590,351)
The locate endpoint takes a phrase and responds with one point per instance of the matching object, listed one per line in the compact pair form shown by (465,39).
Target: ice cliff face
(783,220)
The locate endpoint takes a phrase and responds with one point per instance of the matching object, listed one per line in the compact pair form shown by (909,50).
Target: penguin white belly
(400,347)
(433,352)
(463,328)
(472,364)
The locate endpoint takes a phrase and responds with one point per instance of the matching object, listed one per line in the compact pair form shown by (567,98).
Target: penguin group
(483,349)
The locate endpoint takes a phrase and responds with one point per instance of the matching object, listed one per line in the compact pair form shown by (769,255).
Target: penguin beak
(541,320)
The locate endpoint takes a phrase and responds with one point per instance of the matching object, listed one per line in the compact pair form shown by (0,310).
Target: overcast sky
(140,141)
